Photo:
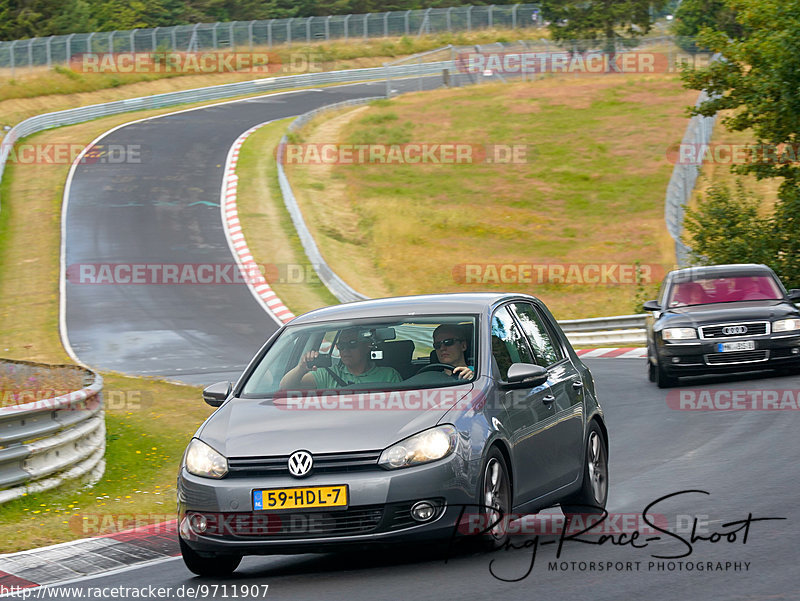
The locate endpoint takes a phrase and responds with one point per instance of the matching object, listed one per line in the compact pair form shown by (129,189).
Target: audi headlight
(201,460)
(424,447)
(786,325)
(678,333)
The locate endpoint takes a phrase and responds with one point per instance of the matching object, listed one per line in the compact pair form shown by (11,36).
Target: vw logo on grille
(734,330)
(300,463)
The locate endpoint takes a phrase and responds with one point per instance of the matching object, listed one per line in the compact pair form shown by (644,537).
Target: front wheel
(494,500)
(662,378)
(216,567)
(592,496)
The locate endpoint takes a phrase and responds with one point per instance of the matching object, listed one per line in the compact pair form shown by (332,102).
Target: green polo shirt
(376,373)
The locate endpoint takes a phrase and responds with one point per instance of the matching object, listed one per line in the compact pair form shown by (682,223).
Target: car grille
(758,328)
(294,525)
(323,463)
(737,357)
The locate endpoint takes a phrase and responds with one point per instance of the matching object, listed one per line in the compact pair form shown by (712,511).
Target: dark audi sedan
(722,318)
(399,420)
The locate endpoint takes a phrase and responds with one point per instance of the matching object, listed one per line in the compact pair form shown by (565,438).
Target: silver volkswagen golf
(397,420)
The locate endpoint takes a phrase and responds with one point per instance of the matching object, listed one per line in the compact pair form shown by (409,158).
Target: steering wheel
(438,366)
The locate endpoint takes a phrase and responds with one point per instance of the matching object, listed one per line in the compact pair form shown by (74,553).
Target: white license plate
(743,345)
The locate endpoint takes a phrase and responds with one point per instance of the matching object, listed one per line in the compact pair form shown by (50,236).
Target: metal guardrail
(241,35)
(47,442)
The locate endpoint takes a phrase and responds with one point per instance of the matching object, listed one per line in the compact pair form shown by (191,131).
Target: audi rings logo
(734,330)
(300,463)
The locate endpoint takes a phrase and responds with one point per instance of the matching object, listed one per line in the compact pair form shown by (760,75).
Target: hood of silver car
(325,423)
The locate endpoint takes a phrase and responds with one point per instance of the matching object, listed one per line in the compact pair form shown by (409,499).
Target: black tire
(662,378)
(494,490)
(651,370)
(592,496)
(218,566)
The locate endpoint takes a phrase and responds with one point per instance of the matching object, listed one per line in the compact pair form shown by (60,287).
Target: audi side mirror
(794,295)
(651,305)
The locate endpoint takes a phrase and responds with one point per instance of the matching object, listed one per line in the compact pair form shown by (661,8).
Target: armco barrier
(47,442)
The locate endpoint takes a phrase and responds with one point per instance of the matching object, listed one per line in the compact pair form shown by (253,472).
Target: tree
(693,15)
(612,23)
(726,228)
(757,82)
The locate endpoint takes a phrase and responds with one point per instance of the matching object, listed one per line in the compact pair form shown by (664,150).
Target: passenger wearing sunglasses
(450,345)
(355,366)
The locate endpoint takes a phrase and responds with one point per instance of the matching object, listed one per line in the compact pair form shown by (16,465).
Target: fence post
(250,35)
(30,53)
(328,28)
(89,42)
(449,20)
(405,19)
(308,30)
(48,52)
(514,16)
(154,39)
(386,24)
(469,18)
(346,19)
(269,33)
(214,35)
(173,35)
(11,56)
(366,25)
(491,16)
(289,31)
(111,41)
(232,36)
(68,48)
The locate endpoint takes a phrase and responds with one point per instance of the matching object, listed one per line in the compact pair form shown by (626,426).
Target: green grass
(591,190)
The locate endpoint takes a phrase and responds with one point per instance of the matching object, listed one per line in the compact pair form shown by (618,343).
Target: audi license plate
(275,499)
(743,345)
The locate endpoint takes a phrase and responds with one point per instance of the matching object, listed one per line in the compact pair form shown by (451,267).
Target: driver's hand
(306,361)
(463,372)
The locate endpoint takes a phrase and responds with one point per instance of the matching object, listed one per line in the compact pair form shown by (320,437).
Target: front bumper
(378,512)
(687,357)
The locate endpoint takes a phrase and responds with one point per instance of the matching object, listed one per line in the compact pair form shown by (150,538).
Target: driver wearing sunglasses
(450,345)
(354,367)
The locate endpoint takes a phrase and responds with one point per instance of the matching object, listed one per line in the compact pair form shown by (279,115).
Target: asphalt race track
(165,211)
(746,460)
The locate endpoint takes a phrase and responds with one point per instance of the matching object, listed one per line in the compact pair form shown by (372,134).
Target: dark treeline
(35,18)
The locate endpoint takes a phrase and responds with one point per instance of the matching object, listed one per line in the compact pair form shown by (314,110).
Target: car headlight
(678,333)
(426,446)
(201,460)
(786,325)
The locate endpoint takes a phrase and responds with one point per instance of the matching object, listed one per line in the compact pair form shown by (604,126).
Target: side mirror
(651,305)
(794,295)
(216,394)
(525,375)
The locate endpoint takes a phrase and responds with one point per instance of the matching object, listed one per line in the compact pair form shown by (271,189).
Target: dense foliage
(757,85)
(34,18)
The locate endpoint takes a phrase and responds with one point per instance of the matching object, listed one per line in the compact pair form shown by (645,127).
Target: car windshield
(724,290)
(375,354)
